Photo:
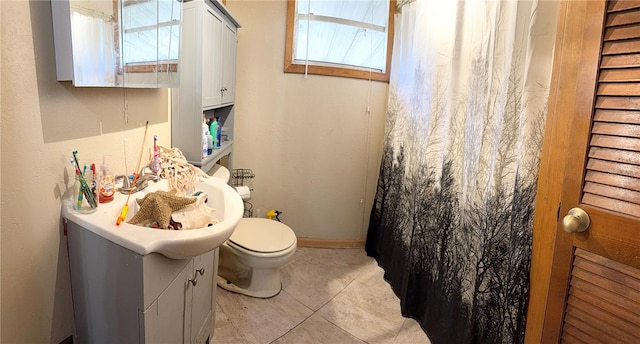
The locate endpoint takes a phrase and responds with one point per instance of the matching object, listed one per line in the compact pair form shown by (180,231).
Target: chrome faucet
(140,183)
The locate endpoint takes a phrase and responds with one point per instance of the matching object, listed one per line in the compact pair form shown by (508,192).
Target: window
(151,34)
(348,38)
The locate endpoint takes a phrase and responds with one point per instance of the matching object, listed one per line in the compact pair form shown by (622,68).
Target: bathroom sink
(175,244)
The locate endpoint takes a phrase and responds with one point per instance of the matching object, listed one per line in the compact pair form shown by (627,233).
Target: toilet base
(262,294)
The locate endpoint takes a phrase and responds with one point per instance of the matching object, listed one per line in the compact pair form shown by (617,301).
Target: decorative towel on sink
(167,210)
(158,206)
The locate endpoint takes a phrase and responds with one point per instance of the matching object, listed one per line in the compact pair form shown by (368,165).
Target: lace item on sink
(179,173)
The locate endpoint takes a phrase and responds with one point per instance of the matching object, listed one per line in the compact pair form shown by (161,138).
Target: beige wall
(1,116)
(313,147)
(311,143)
(43,121)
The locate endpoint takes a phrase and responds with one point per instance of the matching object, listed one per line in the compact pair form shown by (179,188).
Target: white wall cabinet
(212,58)
(207,80)
(219,67)
(122,297)
(229,48)
(99,43)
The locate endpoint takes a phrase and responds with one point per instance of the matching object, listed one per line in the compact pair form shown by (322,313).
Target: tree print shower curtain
(452,218)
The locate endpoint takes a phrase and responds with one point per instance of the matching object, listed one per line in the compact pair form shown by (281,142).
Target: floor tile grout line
(336,295)
(329,301)
(237,330)
(404,321)
(320,315)
(343,329)
(301,322)
(327,305)
(320,308)
(293,328)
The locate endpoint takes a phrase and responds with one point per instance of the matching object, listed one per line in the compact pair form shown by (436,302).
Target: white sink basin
(175,244)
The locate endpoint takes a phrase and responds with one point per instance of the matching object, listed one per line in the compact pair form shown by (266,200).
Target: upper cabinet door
(229,43)
(117,43)
(219,60)
(211,59)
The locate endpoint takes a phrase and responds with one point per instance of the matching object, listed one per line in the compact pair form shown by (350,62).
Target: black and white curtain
(452,219)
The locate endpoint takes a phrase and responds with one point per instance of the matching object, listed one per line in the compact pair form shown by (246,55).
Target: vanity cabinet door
(183,312)
(164,320)
(202,301)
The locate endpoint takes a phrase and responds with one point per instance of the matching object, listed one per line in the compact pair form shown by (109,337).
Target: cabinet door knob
(194,281)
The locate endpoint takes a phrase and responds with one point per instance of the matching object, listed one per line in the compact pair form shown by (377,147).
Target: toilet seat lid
(263,235)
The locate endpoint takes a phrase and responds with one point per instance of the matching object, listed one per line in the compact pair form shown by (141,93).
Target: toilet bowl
(250,260)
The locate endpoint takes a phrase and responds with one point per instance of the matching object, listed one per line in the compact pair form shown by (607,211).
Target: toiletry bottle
(106,183)
(204,145)
(205,128)
(213,129)
(209,143)
(218,133)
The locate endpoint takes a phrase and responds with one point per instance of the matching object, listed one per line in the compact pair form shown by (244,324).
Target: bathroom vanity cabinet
(207,79)
(120,296)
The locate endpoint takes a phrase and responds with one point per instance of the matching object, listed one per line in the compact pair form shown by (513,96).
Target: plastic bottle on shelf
(218,133)
(204,145)
(213,130)
(209,143)
(205,127)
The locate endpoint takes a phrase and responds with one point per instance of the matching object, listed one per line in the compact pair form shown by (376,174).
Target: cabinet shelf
(225,149)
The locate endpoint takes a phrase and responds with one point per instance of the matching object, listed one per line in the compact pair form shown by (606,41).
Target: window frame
(357,73)
(140,67)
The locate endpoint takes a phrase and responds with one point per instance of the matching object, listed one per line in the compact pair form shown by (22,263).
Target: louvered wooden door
(594,295)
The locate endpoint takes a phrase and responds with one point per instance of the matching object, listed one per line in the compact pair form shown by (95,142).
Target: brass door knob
(577,220)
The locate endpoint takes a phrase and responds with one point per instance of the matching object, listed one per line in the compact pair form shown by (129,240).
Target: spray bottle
(106,183)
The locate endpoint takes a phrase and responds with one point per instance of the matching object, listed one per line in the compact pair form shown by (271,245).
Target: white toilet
(251,259)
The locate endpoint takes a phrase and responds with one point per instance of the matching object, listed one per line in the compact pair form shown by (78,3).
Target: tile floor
(329,296)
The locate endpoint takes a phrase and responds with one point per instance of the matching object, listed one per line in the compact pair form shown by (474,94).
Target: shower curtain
(451,223)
